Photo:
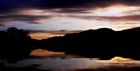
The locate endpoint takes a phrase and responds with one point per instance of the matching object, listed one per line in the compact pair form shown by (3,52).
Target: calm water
(58,64)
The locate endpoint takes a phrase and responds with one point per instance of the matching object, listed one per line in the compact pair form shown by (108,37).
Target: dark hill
(101,43)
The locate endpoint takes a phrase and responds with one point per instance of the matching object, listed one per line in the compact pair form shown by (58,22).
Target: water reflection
(59,64)
(71,63)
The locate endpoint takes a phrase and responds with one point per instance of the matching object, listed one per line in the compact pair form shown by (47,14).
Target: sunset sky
(47,18)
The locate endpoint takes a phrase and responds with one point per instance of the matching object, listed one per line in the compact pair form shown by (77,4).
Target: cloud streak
(5,19)
(132,19)
(95,12)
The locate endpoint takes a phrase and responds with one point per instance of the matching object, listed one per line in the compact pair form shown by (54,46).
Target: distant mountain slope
(102,43)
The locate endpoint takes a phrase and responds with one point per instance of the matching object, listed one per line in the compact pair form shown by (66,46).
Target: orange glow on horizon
(40,36)
(120,28)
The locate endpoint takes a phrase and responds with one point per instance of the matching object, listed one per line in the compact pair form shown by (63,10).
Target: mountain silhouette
(104,43)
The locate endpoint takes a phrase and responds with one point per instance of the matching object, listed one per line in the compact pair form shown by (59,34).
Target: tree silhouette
(15,44)
(17,32)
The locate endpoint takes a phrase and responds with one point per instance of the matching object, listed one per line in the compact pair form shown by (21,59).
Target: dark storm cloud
(82,6)
(10,5)
(84,3)
(130,2)
(7,6)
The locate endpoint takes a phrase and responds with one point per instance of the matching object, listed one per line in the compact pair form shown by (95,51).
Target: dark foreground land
(102,43)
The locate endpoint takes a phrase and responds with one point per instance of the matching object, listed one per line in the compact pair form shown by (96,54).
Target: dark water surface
(59,64)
